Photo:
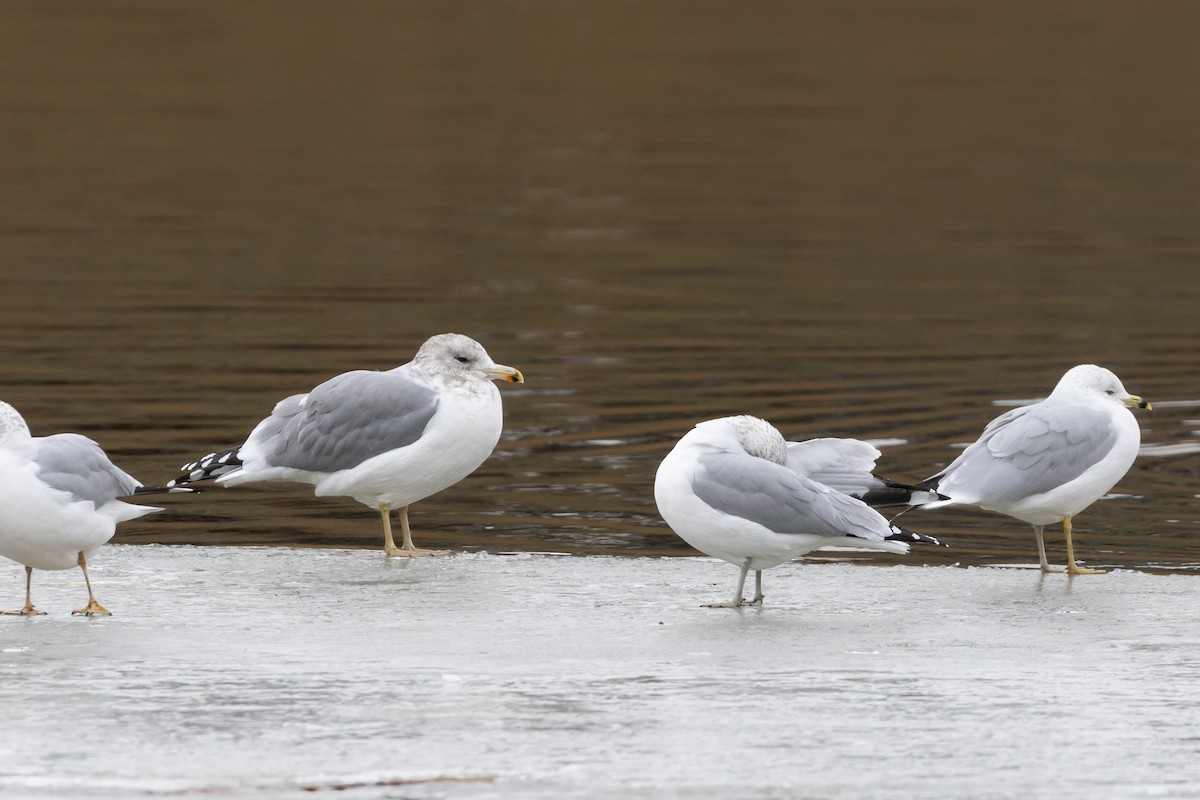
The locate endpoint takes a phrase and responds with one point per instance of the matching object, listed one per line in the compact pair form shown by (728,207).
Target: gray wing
(780,500)
(842,464)
(845,465)
(1031,450)
(77,465)
(345,421)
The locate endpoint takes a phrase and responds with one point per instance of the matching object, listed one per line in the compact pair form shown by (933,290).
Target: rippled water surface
(889,225)
(891,221)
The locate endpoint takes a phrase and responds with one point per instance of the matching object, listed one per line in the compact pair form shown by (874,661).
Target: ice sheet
(251,672)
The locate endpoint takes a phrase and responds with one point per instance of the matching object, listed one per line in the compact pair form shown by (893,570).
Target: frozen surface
(253,672)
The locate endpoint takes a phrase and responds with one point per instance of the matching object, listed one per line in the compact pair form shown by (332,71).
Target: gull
(726,488)
(1046,462)
(58,502)
(386,439)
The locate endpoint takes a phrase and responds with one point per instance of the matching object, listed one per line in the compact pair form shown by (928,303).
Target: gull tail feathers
(207,468)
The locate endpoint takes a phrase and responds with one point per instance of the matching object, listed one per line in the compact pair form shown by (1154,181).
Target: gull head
(458,357)
(12,425)
(1096,382)
(757,437)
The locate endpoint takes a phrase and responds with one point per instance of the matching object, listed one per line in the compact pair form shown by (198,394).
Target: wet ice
(254,671)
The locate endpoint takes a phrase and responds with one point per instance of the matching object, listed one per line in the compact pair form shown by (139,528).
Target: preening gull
(58,502)
(386,439)
(1044,463)
(727,489)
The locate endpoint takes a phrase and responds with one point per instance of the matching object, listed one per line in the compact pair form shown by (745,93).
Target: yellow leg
(93,608)
(406,548)
(389,544)
(1072,567)
(28,610)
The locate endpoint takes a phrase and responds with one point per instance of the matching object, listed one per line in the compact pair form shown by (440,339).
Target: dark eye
(464,360)
(1109,391)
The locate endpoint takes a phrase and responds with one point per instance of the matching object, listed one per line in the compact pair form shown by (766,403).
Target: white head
(12,426)
(1089,380)
(756,436)
(455,357)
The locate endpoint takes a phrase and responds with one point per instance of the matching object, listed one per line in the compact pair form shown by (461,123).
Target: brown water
(856,220)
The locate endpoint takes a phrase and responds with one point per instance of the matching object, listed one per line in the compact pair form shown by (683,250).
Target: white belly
(1071,498)
(41,528)
(720,535)
(459,438)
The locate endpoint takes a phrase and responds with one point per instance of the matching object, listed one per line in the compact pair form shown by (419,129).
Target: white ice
(251,672)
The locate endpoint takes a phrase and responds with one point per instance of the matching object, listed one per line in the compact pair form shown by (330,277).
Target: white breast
(460,437)
(41,527)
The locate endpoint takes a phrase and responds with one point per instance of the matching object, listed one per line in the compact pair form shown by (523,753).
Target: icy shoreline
(259,672)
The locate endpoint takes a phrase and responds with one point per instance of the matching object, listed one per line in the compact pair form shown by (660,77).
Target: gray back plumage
(346,420)
(1031,450)
(75,464)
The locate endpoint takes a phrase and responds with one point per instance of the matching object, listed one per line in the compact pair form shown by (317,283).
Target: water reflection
(768,212)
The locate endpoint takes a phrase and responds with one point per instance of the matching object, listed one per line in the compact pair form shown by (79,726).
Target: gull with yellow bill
(386,439)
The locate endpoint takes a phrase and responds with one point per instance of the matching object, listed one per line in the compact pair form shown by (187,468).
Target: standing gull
(1044,463)
(58,502)
(386,439)
(727,489)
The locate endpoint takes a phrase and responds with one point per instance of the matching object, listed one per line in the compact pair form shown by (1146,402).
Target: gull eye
(464,360)
(1109,392)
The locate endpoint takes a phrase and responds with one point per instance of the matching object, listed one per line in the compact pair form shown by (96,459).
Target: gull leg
(1072,567)
(408,542)
(737,601)
(28,610)
(385,516)
(1041,543)
(92,608)
(758,595)
(406,548)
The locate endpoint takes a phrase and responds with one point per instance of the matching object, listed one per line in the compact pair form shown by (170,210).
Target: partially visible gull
(386,439)
(727,489)
(58,502)
(1044,463)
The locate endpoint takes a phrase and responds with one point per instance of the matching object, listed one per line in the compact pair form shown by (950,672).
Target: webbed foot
(92,609)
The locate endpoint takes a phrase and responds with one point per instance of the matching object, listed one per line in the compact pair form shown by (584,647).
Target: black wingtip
(905,535)
(206,469)
(165,489)
(931,485)
(895,494)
